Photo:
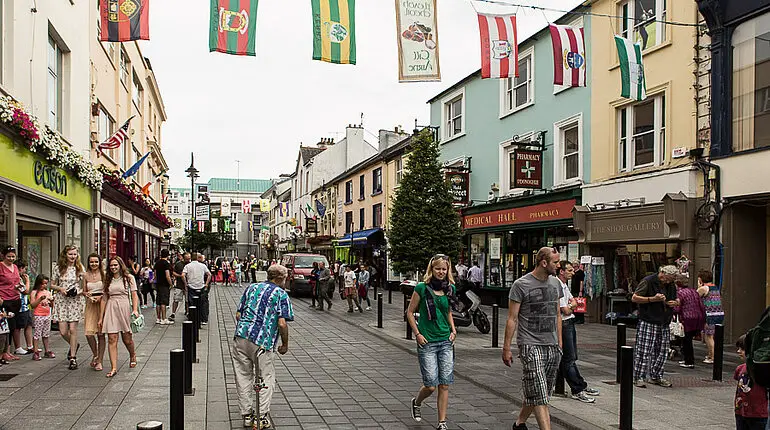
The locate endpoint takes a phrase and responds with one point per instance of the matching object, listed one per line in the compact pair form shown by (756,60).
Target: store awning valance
(359,238)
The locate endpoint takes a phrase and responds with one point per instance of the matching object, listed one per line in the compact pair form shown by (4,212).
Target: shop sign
(139,223)
(128,218)
(312,225)
(110,210)
(50,178)
(202,212)
(555,211)
(628,227)
(494,248)
(528,169)
(155,231)
(458,187)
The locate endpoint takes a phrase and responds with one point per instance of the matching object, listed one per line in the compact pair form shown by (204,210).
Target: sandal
(112,373)
(73,363)
(98,367)
(93,362)
(132,363)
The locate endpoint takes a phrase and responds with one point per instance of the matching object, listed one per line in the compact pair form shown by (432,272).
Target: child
(41,301)
(4,329)
(750,401)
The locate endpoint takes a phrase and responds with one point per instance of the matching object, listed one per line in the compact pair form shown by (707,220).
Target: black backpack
(758,351)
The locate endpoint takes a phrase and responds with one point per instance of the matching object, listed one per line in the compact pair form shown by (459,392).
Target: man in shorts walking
(179,292)
(163,283)
(534,317)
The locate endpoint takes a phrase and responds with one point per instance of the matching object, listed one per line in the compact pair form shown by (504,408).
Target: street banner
(246,206)
(133,170)
(224,208)
(201,226)
(215,225)
(251,225)
(233,27)
(499,46)
(264,205)
(202,212)
(124,20)
(227,225)
(320,208)
(632,81)
(569,55)
(334,31)
(238,226)
(416,24)
(283,209)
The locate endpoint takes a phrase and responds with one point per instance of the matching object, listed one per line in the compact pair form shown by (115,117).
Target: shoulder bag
(137,322)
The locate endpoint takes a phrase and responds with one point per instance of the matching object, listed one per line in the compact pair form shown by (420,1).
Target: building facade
(179,205)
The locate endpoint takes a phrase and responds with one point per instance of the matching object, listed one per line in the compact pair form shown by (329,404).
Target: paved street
(341,372)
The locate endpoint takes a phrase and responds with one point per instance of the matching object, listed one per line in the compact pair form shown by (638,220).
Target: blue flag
(135,168)
(320,208)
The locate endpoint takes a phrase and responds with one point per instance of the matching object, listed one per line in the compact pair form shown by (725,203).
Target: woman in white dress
(117,310)
(69,306)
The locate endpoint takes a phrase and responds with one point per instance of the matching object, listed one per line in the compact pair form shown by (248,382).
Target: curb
(558,416)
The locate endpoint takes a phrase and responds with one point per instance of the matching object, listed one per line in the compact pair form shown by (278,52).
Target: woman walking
(93,288)
(435,333)
(117,310)
(226,272)
(712,301)
(9,296)
(363,286)
(237,268)
(692,315)
(70,303)
(146,275)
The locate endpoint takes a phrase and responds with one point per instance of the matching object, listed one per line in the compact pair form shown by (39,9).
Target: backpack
(758,351)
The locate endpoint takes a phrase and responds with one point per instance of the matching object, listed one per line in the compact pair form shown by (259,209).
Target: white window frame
(525,55)
(559,168)
(506,149)
(577,22)
(136,91)
(660,15)
(445,102)
(377,180)
(55,78)
(659,130)
(399,170)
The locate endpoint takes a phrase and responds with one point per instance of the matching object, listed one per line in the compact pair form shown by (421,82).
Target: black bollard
(390,296)
(176,411)
(197,302)
(626,387)
(149,425)
(189,356)
(559,383)
(719,346)
(408,326)
(621,342)
(192,311)
(406,305)
(379,310)
(495,325)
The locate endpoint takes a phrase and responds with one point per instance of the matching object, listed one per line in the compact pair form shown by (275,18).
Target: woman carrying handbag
(692,314)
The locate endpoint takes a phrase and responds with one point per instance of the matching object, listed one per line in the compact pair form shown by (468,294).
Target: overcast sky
(258,109)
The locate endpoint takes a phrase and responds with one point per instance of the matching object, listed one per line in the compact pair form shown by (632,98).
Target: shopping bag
(582,304)
(677,328)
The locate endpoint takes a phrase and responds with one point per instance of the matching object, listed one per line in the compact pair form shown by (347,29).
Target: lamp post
(192,173)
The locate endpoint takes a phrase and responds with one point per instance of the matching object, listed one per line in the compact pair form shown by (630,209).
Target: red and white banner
(569,56)
(499,47)
(246,206)
(201,226)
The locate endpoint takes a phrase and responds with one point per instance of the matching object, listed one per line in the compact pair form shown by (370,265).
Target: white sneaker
(159,321)
(368,308)
(20,351)
(169,322)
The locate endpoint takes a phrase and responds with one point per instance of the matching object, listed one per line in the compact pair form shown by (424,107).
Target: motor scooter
(467,311)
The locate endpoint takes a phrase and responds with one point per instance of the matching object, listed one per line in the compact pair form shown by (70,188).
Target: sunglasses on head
(8,249)
(440,257)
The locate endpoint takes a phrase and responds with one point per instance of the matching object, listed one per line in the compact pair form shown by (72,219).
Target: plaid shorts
(539,364)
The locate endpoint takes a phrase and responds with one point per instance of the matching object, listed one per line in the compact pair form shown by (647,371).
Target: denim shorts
(437,363)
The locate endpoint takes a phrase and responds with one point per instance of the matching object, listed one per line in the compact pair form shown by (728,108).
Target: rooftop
(246,186)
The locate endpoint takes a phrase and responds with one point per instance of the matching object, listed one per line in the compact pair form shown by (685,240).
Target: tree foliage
(423,221)
(197,241)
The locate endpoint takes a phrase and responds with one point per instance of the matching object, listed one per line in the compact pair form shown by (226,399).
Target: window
(136,93)
(55,81)
(507,148)
(348,222)
(349,192)
(106,126)
(641,21)
(568,135)
(307,182)
(361,216)
(125,66)
(399,170)
(361,187)
(519,92)
(377,215)
(642,134)
(751,88)
(452,114)
(377,180)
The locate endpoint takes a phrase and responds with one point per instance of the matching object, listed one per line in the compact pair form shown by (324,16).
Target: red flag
(499,47)
(124,20)
(201,225)
(569,56)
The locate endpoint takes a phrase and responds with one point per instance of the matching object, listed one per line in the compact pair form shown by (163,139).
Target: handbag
(676,328)
(582,304)
(137,322)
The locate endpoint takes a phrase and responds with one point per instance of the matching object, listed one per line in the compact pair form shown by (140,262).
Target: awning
(360,238)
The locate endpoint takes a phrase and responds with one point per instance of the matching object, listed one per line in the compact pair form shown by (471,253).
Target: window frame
(349,222)
(626,12)
(399,170)
(137,91)
(377,215)
(559,167)
(506,149)
(125,67)
(527,55)
(58,79)
(349,192)
(361,218)
(750,100)
(377,181)
(361,187)
(447,134)
(627,150)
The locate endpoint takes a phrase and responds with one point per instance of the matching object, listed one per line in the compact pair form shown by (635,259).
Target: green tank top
(438,329)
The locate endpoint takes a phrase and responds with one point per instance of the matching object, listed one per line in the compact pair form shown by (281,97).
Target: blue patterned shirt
(262,305)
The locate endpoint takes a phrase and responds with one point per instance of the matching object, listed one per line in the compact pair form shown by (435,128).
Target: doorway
(39,247)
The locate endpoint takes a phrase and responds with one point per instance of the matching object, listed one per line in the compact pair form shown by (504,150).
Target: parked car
(300,265)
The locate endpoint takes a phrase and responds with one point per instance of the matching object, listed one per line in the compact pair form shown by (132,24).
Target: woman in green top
(435,332)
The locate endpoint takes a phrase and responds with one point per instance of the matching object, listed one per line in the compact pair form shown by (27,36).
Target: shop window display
(479,254)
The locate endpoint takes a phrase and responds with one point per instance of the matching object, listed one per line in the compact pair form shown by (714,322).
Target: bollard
(626,387)
(560,383)
(408,326)
(406,305)
(719,346)
(189,356)
(495,325)
(193,312)
(197,302)
(176,410)
(390,296)
(149,425)
(379,310)
(621,342)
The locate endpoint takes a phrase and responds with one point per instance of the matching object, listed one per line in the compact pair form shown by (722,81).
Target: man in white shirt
(567,305)
(476,275)
(196,277)
(462,270)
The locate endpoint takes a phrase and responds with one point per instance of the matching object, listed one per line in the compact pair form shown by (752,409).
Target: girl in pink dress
(117,311)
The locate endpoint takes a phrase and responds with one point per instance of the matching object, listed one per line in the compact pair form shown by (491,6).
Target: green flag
(334,31)
(233,26)
(631,69)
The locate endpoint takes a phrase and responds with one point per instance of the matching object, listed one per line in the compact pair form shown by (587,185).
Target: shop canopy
(360,238)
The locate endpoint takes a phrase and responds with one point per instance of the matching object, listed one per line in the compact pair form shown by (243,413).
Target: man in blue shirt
(262,315)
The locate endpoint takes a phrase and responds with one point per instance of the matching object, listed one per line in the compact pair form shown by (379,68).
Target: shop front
(365,246)
(42,207)
(503,239)
(619,247)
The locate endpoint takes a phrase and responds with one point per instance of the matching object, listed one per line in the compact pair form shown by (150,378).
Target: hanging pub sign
(312,225)
(458,187)
(527,169)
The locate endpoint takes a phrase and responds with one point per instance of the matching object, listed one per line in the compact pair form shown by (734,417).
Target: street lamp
(192,173)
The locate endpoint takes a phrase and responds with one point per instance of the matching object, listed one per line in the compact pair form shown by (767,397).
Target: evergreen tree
(204,241)
(423,221)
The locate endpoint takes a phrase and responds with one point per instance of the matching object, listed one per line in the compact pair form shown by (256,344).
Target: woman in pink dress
(93,289)
(117,311)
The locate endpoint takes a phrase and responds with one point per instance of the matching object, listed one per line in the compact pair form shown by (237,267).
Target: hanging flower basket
(116,181)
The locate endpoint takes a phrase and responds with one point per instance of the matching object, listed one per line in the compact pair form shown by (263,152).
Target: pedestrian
(692,315)
(262,314)
(245,269)
(93,289)
(23,319)
(70,303)
(462,271)
(568,366)
(750,398)
(11,299)
(226,271)
(147,278)
(134,269)
(476,275)
(350,290)
(253,268)
(178,294)
(712,301)
(163,284)
(534,316)
(435,333)
(578,281)
(656,297)
(322,287)
(363,286)
(41,301)
(117,308)
(5,331)
(197,278)
(313,280)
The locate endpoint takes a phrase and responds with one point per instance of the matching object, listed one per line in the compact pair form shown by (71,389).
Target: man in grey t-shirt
(534,317)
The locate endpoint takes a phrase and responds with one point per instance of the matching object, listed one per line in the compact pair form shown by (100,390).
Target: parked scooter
(467,310)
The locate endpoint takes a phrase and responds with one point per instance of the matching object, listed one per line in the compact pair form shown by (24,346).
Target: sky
(258,110)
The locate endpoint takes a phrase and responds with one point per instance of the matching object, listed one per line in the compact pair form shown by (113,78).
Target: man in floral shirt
(262,315)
